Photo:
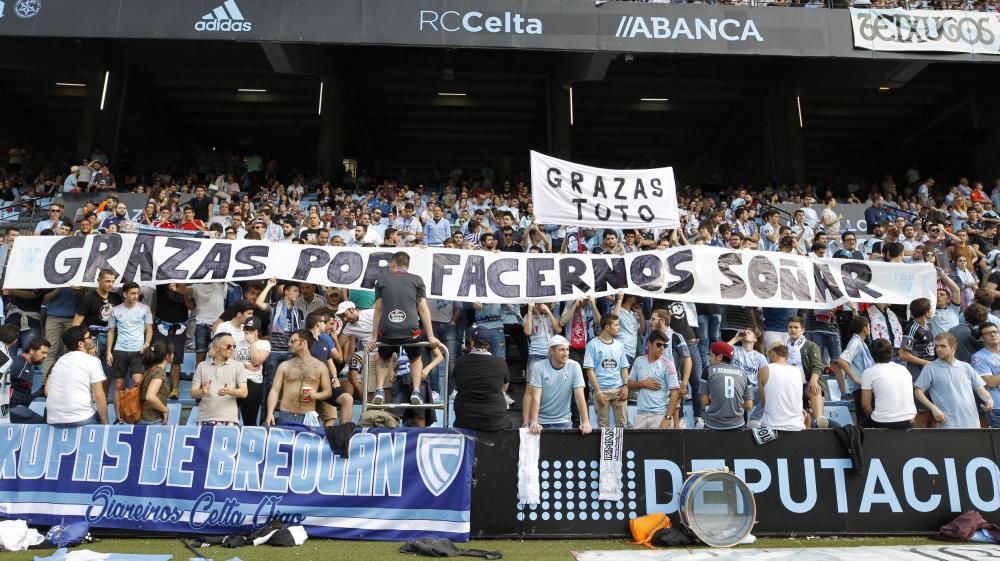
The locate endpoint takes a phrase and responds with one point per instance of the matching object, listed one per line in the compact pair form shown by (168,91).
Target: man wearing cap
(552,385)
(729,393)
(357,333)
(479,379)
(654,377)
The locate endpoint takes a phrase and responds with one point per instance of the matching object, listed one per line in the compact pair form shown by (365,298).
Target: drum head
(718,507)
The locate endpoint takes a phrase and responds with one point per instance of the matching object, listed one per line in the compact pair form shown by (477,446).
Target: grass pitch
(338,550)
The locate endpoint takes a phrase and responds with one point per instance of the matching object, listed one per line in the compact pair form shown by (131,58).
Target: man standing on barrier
(299,383)
(399,314)
(552,385)
(607,370)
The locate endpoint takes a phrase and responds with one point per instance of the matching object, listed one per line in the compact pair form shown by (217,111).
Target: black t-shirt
(480,405)
(200,207)
(96,310)
(399,291)
(170,306)
(29,304)
(309,234)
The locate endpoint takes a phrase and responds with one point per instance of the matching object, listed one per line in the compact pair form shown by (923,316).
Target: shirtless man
(305,379)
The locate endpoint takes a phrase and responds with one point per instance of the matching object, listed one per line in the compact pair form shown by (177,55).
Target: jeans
(34,331)
(828,341)
(19,414)
(993,418)
(695,380)
(708,333)
(286,418)
(558,426)
(447,334)
(498,343)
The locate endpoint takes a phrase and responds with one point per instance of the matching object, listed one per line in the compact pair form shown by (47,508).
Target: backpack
(644,528)
(130,404)
(965,525)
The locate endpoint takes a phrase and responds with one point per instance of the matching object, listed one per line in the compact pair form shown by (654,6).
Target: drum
(717,507)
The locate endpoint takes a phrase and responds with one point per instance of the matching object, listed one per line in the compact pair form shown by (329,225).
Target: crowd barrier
(403,484)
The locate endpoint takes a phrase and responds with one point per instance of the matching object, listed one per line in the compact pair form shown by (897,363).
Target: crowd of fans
(276,351)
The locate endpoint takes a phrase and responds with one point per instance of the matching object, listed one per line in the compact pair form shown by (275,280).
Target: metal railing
(445,396)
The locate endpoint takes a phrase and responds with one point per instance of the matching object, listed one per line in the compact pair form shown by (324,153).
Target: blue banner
(395,485)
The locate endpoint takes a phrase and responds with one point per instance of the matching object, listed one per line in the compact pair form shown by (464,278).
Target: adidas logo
(226,17)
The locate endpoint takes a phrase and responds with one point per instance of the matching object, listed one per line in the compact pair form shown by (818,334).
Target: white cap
(344,306)
(558,341)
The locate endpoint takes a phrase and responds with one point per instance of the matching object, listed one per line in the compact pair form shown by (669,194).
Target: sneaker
(753,424)
(436,397)
(682,423)
(174,394)
(510,400)
(699,423)
(378,398)
(822,422)
(119,422)
(415,399)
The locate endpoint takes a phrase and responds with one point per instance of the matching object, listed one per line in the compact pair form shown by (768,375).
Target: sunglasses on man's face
(660,345)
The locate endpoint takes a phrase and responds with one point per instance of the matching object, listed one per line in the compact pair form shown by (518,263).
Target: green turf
(335,550)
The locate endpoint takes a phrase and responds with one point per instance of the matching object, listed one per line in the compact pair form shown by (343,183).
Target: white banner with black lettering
(951,31)
(568,193)
(692,273)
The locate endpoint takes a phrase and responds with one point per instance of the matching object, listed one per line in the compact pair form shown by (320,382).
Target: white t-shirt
(239,338)
(783,398)
(363,330)
(70,398)
(892,391)
(209,300)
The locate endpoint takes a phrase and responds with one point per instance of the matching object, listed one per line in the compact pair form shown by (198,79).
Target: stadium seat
(840,415)
(175,409)
(192,417)
(189,364)
(38,407)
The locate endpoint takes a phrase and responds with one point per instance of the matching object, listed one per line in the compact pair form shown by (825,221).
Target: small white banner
(568,193)
(689,273)
(951,31)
